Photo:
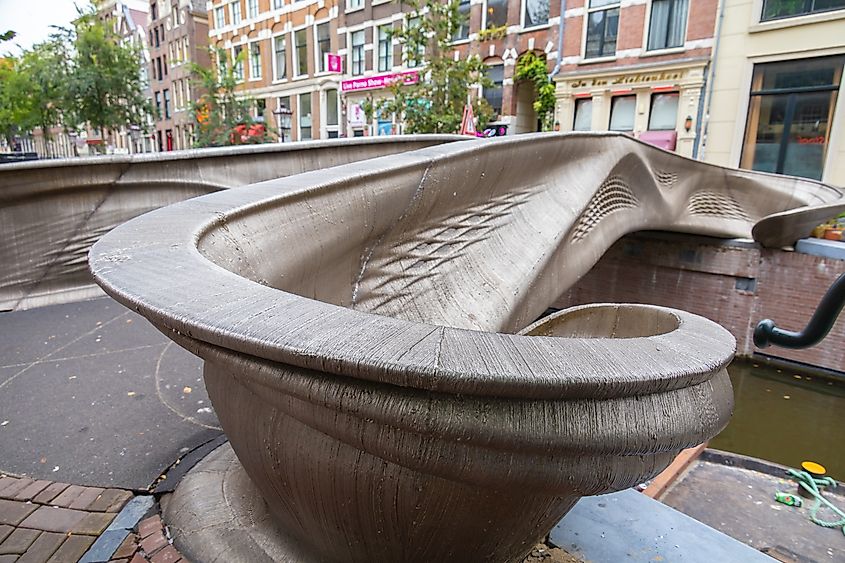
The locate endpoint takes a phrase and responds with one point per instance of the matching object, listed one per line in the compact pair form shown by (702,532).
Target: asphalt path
(92,394)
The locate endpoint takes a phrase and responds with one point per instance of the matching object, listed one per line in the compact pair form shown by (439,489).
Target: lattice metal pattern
(613,195)
(665,178)
(715,204)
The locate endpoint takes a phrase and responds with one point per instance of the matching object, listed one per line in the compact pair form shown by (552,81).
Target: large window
(279,54)
(462,31)
(305,116)
(166,104)
(411,59)
(495,13)
(332,129)
(252,8)
(236,12)
(789,116)
(622,111)
(300,44)
(667,26)
(777,9)
(354,4)
(535,12)
(323,45)
(664,111)
(583,114)
(602,28)
(357,53)
(219,17)
(255,61)
(385,48)
(493,95)
(238,62)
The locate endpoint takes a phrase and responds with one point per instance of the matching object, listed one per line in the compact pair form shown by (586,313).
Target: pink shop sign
(380,81)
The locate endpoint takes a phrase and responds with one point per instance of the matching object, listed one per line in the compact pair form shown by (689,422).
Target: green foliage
(435,104)
(492,33)
(7,35)
(16,111)
(46,68)
(532,68)
(222,117)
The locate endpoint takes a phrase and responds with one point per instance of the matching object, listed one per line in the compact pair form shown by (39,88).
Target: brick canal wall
(734,283)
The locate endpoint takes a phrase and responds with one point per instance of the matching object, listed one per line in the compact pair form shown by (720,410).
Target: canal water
(786,416)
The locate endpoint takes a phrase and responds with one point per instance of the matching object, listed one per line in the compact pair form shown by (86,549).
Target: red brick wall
(735,285)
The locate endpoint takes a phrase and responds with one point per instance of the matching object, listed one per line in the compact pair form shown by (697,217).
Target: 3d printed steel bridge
(364,335)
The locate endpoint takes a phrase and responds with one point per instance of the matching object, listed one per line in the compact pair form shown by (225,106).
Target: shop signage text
(380,81)
(627,79)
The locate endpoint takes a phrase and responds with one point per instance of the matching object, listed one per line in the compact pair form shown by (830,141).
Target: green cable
(811,485)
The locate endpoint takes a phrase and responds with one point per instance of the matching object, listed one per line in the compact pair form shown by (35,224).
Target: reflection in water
(787,417)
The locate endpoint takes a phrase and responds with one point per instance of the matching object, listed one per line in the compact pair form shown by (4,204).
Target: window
(622,110)
(254,61)
(300,41)
(219,17)
(238,62)
(252,8)
(358,53)
(664,112)
(157,39)
(385,48)
(583,114)
(154,11)
(260,109)
(667,27)
(236,12)
(789,116)
(331,108)
(495,13)
(167,104)
(602,26)
(158,69)
(158,105)
(305,116)
(174,9)
(279,57)
(164,63)
(323,45)
(413,60)
(277,4)
(777,9)
(283,117)
(354,4)
(535,12)
(494,95)
(462,32)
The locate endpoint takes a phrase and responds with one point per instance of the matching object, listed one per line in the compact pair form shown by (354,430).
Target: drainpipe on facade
(708,84)
(559,42)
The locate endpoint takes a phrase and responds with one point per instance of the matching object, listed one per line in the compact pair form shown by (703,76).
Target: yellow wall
(745,41)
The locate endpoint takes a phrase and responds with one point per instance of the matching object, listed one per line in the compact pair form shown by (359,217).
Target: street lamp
(283,117)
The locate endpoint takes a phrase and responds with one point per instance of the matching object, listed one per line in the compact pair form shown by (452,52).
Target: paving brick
(166,555)
(73,548)
(93,523)
(51,492)
(153,542)
(18,541)
(53,519)
(89,495)
(14,512)
(149,525)
(5,531)
(121,560)
(68,496)
(41,550)
(128,547)
(138,559)
(110,500)
(8,558)
(16,487)
(7,481)
(29,492)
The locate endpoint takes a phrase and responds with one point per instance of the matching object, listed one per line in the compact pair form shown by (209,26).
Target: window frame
(296,58)
(811,11)
(237,65)
(352,50)
(634,113)
(235,21)
(647,32)
(250,4)
(319,54)
(250,46)
(522,18)
(220,22)
(466,24)
(274,39)
(354,5)
(299,116)
(388,57)
(652,97)
(591,10)
(577,102)
(484,10)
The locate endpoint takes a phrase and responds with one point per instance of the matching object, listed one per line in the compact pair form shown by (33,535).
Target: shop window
(384,124)
(219,17)
(462,32)
(252,8)
(236,12)
(385,48)
(300,45)
(323,45)
(789,116)
(331,108)
(667,26)
(583,114)
(357,41)
(622,111)
(493,95)
(305,116)
(778,9)
(279,56)
(602,28)
(535,12)
(238,62)
(255,61)
(664,112)
(495,13)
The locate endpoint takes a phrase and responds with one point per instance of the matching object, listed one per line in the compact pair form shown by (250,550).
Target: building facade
(177,36)
(776,103)
(636,66)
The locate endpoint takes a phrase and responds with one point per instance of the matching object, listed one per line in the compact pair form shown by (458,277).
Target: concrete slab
(91,393)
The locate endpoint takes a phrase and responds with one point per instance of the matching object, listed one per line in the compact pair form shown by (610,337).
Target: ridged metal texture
(357,326)
(51,212)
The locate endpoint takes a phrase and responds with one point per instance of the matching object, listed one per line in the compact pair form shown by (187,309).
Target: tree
(435,103)
(45,67)
(222,117)
(532,68)
(16,109)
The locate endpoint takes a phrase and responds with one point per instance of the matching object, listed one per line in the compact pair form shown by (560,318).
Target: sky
(31,19)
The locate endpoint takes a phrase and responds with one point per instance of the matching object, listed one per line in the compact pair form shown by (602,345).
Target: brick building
(637,66)
(177,36)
